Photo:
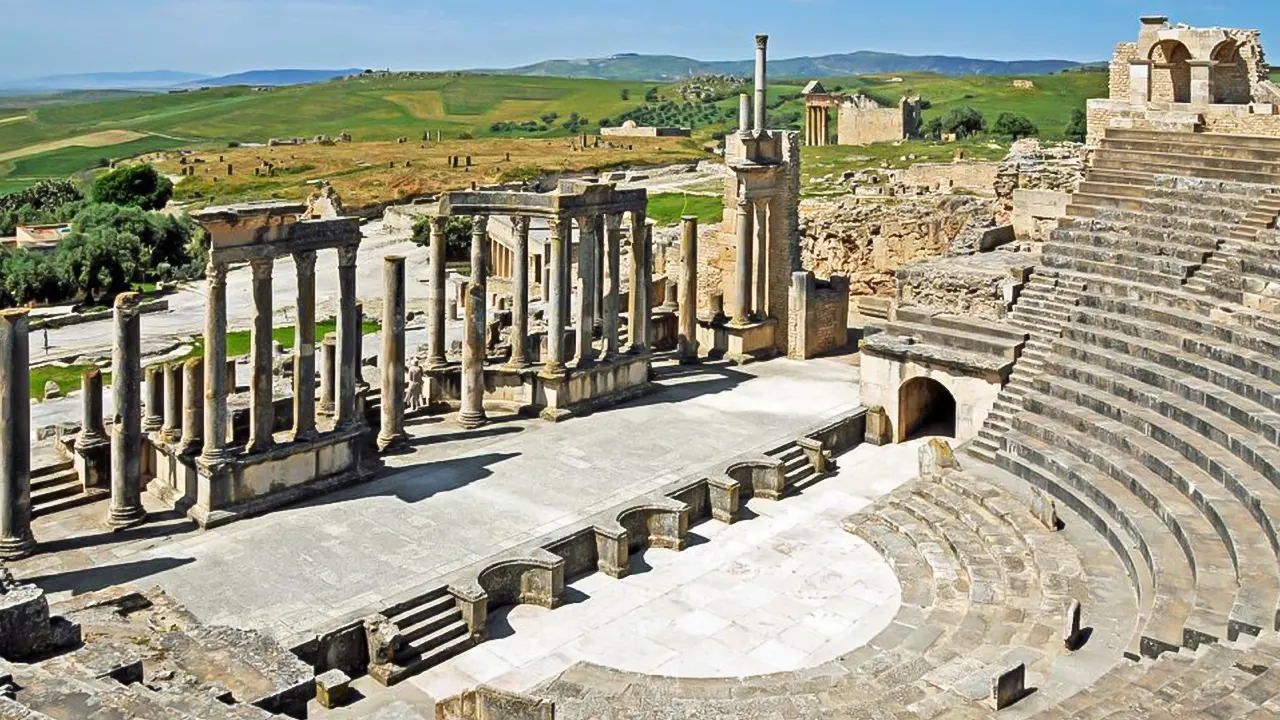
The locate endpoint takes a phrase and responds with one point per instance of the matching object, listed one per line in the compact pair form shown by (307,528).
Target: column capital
(438,223)
(479,224)
(262,268)
(216,273)
(347,255)
(521,223)
(305,262)
(762,42)
(128,304)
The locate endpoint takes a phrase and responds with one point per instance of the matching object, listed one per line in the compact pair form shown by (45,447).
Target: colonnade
(817,129)
(751,273)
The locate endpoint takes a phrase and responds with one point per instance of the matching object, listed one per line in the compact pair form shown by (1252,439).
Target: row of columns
(752,260)
(816,127)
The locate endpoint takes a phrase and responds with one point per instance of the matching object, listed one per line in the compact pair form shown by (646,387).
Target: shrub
(1078,128)
(624,94)
(963,121)
(137,185)
(1012,125)
(457,236)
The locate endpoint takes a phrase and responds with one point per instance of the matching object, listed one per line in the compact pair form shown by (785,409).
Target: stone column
(153,420)
(687,344)
(520,299)
(92,429)
(1201,82)
(474,347)
(436,295)
(641,283)
(215,364)
(126,432)
(391,359)
(16,540)
(760,261)
(328,374)
(598,261)
(304,348)
(762,83)
(559,235)
(586,289)
(742,279)
(192,405)
(744,113)
(172,431)
(613,261)
(349,338)
(261,394)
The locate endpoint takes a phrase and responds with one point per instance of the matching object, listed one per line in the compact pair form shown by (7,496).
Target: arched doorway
(1230,75)
(1170,72)
(925,408)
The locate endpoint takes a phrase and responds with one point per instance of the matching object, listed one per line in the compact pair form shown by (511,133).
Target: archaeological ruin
(860,120)
(988,440)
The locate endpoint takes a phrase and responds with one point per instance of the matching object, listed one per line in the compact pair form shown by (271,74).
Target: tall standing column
(349,339)
(520,300)
(215,363)
(762,82)
(586,289)
(304,348)
(436,295)
(16,539)
(172,431)
(641,284)
(742,279)
(473,345)
(328,374)
(391,362)
(92,444)
(612,297)
(760,261)
(598,262)
(688,341)
(557,259)
(261,393)
(153,419)
(126,433)
(192,405)
(744,113)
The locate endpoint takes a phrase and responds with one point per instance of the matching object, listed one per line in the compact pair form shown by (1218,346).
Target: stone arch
(1230,74)
(1170,72)
(925,407)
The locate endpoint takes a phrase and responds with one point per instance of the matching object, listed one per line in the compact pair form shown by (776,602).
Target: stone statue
(413,395)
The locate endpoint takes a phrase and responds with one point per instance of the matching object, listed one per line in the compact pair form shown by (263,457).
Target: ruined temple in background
(860,119)
(1185,79)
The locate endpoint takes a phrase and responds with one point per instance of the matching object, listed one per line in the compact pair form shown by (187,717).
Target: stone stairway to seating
(58,487)
(798,470)
(431,630)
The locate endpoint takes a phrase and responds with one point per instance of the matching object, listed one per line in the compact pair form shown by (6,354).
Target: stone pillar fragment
(215,364)
(92,445)
(391,359)
(172,430)
(349,339)
(304,348)
(612,297)
(193,405)
(760,261)
(16,540)
(744,113)
(126,432)
(641,304)
(742,278)
(586,289)
(558,258)
(687,343)
(762,82)
(520,300)
(261,393)
(474,346)
(153,421)
(436,295)
(328,374)
(1201,82)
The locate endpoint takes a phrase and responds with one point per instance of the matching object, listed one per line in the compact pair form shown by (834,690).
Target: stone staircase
(799,472)
(431,630)
(58,487)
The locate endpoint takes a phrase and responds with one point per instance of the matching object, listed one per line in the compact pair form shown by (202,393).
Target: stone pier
(126,432)
(391,359)
(15,436)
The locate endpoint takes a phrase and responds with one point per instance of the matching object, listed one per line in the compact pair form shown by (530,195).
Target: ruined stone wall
(819,318)
(981,286)
(1119,79)
(1034,184)
(856,125)
(867,240)
(1226,119)
(976,176)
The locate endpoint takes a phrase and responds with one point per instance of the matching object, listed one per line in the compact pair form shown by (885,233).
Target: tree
(27,276)
(932,129)
(101,262)
(963,121)
(457,235)
(137,185)
(1012,125)
(651,95)
(624,94)
(1078,128)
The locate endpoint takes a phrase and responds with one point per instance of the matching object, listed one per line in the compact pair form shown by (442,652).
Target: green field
(668,208)
(387,108)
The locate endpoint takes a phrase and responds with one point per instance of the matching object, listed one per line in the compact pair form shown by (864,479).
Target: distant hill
(670,67)
(274,78)
(146,80)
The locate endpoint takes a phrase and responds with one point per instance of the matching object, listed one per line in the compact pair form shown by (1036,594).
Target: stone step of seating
(1202,140)
(1193,232)
(1073,262)
(1220,528)
(1113,189)
(1254,248)
(426,652)
(1125,242)
(952,338)
(1162,603)
(960,323)
(61,489)
(1097,203)
(1155,264)
(1206,150)
(1241,170)
(1120,177)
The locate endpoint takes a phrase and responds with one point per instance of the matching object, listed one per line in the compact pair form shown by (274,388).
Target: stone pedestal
(126,433)
(15,440)
(26,631)
(391,360)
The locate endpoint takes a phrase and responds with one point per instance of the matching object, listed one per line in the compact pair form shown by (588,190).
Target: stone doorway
(925,408)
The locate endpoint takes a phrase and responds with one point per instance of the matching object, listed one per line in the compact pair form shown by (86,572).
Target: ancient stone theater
(611,471)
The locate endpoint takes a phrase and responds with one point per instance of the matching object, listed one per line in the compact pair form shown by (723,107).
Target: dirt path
(98,139)
(15,118)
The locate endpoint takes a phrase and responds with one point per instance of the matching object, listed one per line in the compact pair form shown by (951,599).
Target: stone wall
(868,240)
(860,122)
(976,176)
(1034,185)
(1119,70)
(1259,119)
(981,286)
(819,320)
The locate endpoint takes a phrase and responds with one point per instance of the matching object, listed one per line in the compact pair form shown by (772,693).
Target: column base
(325,409)
(257,446)
(516,364)
(171,436)
(150,426)
(556,370)
(435,364)
(14,548)
(121,518)
(472,420)
(304,435)
(399,441)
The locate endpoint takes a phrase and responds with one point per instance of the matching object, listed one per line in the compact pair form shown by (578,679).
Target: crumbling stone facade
(1034,184)
(860,119)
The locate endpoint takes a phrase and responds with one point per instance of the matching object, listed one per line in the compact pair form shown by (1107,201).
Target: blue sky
(43,37)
